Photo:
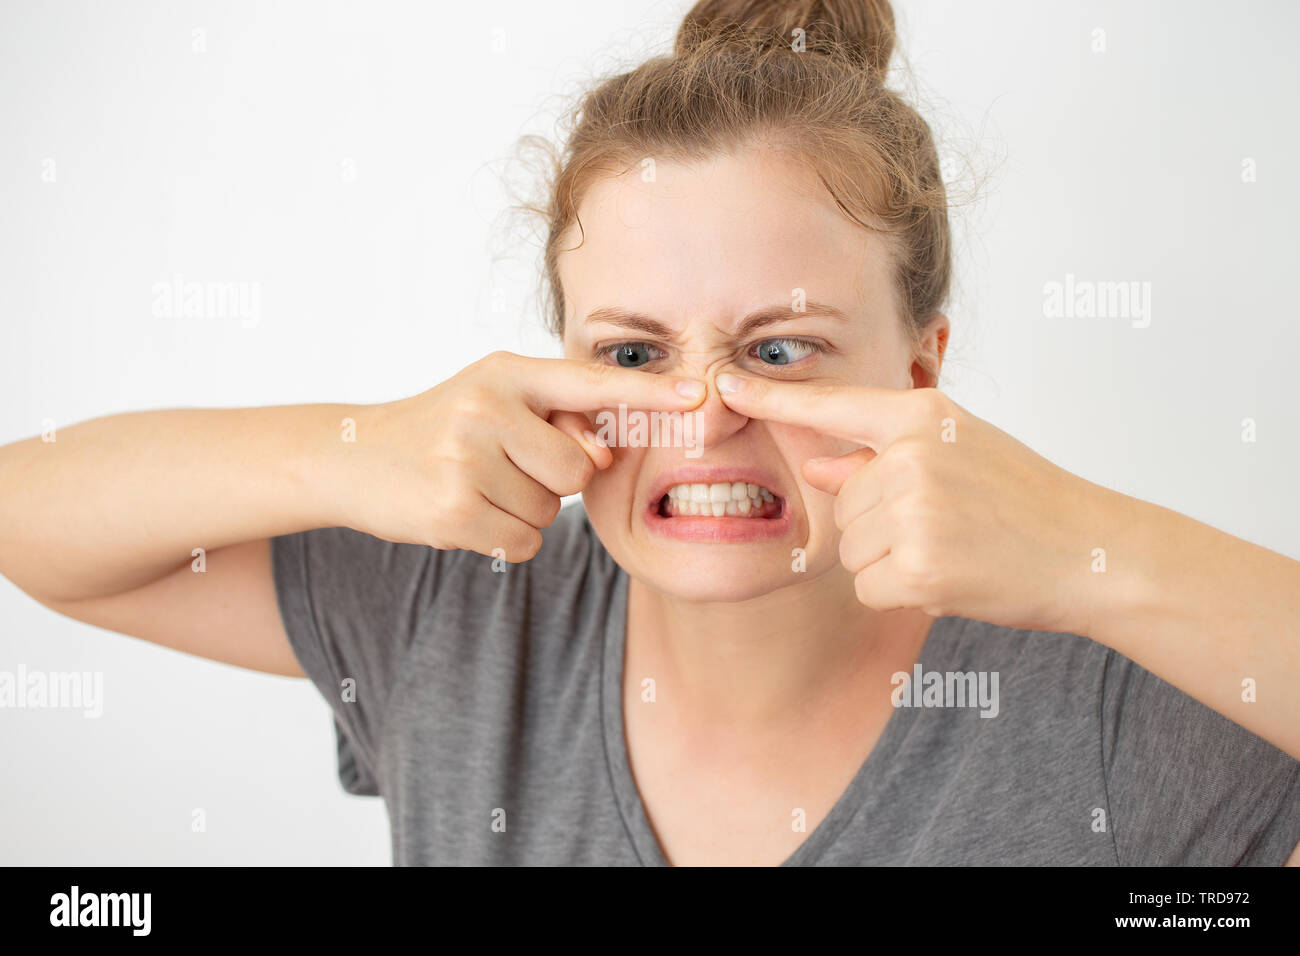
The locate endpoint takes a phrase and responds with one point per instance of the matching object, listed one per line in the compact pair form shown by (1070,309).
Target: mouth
(720,499)
(717,504)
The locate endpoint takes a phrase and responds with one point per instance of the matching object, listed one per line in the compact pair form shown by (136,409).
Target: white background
(349,158)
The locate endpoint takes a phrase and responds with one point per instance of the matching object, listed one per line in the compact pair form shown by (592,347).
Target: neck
(798,653)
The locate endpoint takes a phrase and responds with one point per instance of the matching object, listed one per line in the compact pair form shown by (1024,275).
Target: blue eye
(631,354)
(784,351)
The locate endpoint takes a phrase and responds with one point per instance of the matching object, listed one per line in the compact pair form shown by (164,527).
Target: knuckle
(600,372)
(862,587)
(927,395)
(843,513)
(448,473)
(848,553)
(820,392)
(448,452)
(499,357)
(526,544)
(935,609)
(916,575)
(601,377)
(488,365)
(909,455)
(493,368)
(858,481)
(911,510)
(474,403)
(542,512)
(939,404)
(576,473)
(920,498)
(458,512)
(458,500)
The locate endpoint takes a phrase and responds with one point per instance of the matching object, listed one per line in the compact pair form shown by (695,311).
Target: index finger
(578,386)
(864,414)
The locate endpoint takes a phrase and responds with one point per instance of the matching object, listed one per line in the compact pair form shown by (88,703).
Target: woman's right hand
(112,522)
(481,461)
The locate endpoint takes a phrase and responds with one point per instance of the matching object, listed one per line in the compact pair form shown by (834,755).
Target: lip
(706,527)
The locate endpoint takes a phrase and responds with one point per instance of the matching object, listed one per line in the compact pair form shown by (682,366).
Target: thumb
(578,427)
(828,474)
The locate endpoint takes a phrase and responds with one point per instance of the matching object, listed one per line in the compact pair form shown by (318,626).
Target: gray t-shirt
(484,706)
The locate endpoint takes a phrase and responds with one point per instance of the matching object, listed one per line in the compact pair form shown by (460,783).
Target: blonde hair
(805,78)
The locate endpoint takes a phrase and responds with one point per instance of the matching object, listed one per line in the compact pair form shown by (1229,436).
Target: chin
(723,579)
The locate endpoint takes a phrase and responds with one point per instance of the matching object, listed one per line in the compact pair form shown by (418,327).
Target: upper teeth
(723,497)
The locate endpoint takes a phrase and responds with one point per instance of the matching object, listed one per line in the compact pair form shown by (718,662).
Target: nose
(714,422)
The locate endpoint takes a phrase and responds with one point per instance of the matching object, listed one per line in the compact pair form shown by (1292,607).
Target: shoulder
(380,579)
(541,615)
(1037,671)
(395,635)
(1146,714)
(1166,779)
(1189,785)
(1183,784)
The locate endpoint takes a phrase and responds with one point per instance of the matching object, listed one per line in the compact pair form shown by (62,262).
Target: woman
(813,612)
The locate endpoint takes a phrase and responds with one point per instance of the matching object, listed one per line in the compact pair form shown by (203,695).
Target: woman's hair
(801,77)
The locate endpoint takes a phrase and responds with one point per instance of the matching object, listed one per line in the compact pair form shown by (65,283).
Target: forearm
(116,502)
(1211,614)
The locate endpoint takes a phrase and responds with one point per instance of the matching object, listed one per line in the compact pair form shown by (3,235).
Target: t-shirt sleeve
(352,604)
(1186,785)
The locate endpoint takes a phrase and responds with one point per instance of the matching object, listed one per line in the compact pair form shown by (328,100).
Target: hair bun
(860,31)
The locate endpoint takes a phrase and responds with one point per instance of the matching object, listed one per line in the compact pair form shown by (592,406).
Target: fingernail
(593,440)
(729,384)
(688,388)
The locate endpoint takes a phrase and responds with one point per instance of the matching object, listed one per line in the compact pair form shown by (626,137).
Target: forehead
(718,237)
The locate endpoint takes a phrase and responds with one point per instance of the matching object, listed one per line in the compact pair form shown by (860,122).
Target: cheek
(610,493)
(797,445)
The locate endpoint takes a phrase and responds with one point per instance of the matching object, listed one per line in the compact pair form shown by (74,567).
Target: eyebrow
(768,315)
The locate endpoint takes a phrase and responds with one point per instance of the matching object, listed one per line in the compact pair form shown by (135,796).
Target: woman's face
(677,263)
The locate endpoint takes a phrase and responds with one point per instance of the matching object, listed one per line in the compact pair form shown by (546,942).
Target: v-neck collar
(630,805)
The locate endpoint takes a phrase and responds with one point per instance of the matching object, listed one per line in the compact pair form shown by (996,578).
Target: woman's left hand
(942,511)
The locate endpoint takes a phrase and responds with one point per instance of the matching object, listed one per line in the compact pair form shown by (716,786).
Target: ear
(930,352)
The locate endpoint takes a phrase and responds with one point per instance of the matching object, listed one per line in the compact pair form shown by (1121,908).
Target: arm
(117,502)
(944,512)
(101,524)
